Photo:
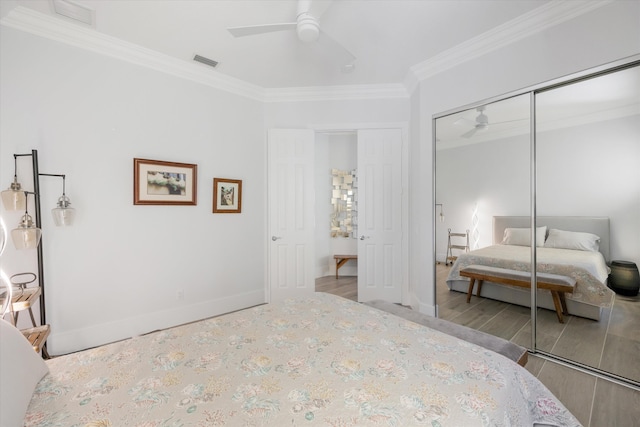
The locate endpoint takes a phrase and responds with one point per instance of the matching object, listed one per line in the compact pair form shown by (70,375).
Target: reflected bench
(554,283)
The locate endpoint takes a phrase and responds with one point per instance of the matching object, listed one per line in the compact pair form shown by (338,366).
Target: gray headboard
(598,225)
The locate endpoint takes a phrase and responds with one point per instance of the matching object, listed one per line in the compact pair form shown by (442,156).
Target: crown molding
(336,93)
(39,24)
(535,21)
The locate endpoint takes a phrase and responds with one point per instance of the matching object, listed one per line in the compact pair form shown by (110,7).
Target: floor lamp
(15,198)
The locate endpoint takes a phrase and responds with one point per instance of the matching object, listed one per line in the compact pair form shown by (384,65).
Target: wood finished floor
(345,286)
(594,401)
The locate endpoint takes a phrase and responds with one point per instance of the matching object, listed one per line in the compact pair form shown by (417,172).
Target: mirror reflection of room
(482,171)
(336,213)
(587,199)
(588,151)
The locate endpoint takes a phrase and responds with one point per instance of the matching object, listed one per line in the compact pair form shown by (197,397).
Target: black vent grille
(206,61)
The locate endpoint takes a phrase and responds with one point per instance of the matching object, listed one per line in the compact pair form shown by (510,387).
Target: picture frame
(227,195)
(157,182)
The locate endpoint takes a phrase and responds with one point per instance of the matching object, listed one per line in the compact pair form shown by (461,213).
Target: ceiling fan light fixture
(308,29)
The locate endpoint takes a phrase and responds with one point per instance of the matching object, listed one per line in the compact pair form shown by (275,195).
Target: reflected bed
(587,267)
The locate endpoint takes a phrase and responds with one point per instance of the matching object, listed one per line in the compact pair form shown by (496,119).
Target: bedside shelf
(37,336)
(23,300)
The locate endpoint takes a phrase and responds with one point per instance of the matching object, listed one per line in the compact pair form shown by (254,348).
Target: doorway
(382,268)
(336,153)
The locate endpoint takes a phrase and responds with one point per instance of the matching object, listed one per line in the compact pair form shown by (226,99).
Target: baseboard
(431,310)
(74,340)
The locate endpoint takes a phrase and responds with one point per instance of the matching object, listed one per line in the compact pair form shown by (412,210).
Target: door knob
(364,237)
(274,238)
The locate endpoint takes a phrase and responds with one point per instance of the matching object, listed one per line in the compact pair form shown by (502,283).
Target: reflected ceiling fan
(481,123)
(307,28)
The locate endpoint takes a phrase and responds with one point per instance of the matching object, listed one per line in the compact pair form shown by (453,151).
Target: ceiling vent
(74,11)
(206,61)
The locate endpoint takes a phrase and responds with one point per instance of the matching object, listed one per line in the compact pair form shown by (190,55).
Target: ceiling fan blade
(470,133)
(252,30)
(464,121)
(342,55)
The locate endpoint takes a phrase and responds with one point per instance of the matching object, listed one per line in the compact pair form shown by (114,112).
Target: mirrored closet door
(578,172)
(588,170)
(482,172)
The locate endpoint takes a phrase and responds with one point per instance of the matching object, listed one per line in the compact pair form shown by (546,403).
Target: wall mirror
(567,152)
(344,199)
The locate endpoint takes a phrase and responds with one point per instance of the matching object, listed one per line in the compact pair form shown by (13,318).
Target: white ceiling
(387,37)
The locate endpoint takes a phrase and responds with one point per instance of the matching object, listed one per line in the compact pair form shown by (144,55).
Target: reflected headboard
(598,225)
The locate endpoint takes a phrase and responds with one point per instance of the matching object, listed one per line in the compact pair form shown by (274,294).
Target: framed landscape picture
(227,195)
(158,182)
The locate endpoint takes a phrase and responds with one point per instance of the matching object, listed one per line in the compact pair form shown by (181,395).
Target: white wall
(333,151)
(336,114)
(580,43)
(118,270)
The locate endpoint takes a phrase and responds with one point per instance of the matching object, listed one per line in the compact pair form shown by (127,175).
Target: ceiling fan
(307,28)
(481,123)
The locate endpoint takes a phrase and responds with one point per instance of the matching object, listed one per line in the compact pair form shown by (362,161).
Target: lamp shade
(13,198)
(26,235)
(63,214)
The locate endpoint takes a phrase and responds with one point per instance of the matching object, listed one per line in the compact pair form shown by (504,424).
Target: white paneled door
(291,213)
(380,214)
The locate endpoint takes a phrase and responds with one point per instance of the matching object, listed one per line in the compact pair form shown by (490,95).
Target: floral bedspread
(321,360)
(585,267)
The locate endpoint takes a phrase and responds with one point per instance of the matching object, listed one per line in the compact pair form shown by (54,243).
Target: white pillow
(21,368)
(522,236)
(572,240)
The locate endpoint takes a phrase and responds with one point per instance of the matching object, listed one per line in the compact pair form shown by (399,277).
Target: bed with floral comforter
(321,360)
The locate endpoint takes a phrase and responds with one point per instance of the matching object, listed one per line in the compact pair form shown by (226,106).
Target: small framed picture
(157,182)
(227,195)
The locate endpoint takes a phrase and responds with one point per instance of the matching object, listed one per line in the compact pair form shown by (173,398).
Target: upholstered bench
(499,345)
(554,283)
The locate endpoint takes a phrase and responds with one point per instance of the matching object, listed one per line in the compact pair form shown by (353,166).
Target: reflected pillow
(580,241)
(522,236)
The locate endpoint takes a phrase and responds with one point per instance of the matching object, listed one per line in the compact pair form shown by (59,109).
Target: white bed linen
(588,268)
(593,262)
